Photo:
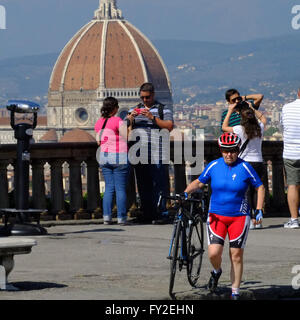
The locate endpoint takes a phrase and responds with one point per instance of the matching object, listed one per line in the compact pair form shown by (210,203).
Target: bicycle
(187,240)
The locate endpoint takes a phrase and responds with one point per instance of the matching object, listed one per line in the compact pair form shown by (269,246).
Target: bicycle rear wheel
(195,250)
(175,256)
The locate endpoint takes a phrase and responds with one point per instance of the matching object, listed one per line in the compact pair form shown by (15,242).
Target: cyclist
(229,210)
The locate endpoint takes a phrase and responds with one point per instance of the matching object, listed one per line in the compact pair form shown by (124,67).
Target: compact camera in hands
(138,110)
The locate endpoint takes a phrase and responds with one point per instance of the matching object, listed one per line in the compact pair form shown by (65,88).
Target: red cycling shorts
(219,226)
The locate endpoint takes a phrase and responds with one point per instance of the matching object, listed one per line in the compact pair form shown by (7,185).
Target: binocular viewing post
(23,133)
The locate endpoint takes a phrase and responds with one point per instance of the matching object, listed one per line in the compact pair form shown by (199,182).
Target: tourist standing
(232,96)
(250,131)
(290,120)
(113,159)
(148,118)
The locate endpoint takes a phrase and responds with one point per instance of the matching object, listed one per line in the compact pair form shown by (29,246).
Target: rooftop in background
(77,135)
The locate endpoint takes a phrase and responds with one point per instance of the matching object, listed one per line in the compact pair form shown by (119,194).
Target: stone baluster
(76,199)
(279,197)
(38,185)
(93,191)
(4,201)
(177,158)
(57,191)
(179,178)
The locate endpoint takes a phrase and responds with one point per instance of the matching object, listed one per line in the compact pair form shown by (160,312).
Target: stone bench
(9,246)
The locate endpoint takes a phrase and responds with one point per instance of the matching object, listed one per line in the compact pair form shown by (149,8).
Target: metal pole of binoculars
(23,133)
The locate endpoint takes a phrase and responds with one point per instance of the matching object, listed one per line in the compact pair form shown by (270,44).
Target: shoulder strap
(243,147)
(161,111)
(101,131)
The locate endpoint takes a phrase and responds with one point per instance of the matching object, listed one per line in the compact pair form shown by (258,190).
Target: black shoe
(213,281)
(162,220)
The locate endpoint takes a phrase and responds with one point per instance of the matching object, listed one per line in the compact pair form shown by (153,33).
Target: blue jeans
(151,180)
(115,177)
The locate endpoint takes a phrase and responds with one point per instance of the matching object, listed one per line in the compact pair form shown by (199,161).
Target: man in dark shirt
(233,96)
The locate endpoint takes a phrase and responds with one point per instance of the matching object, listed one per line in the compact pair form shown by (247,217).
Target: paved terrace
(87,260)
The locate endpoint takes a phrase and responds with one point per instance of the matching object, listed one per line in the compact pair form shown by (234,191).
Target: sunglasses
(237,99)
(230,150)
(145,97)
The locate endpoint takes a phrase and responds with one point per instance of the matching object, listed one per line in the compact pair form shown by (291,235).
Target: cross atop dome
(108,10)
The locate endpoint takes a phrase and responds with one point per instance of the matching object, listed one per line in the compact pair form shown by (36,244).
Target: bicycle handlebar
(177,197)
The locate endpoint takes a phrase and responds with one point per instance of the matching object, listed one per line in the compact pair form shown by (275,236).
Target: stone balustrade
(74,154)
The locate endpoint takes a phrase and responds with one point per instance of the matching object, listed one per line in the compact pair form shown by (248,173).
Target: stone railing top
(16,242)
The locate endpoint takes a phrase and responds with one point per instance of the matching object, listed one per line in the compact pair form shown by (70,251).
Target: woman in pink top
(113,159)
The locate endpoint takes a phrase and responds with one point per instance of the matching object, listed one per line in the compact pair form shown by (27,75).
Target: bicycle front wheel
(195,250)
(175,256)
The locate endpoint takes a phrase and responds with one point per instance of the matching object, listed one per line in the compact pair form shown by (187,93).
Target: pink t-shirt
(111,140)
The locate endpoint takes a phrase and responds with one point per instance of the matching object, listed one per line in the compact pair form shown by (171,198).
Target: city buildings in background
(189,117)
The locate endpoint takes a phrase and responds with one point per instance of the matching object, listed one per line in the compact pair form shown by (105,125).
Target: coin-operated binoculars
(23,133)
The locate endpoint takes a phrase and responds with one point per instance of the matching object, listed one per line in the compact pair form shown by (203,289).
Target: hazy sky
(44,26)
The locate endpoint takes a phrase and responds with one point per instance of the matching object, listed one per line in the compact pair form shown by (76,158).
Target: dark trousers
(151,180)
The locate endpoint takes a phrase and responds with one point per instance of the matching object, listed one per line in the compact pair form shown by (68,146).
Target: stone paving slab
(92,261)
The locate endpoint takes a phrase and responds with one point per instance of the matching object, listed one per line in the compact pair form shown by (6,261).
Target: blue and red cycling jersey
(229,185)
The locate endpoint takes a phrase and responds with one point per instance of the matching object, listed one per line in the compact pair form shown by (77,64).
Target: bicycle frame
(182,247)
(185,218)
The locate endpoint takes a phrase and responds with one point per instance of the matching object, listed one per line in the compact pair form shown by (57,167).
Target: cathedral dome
(106,57)
(108,52)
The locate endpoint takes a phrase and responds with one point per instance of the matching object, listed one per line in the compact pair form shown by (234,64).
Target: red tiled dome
(49,136)
(108,52)
(77,135)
